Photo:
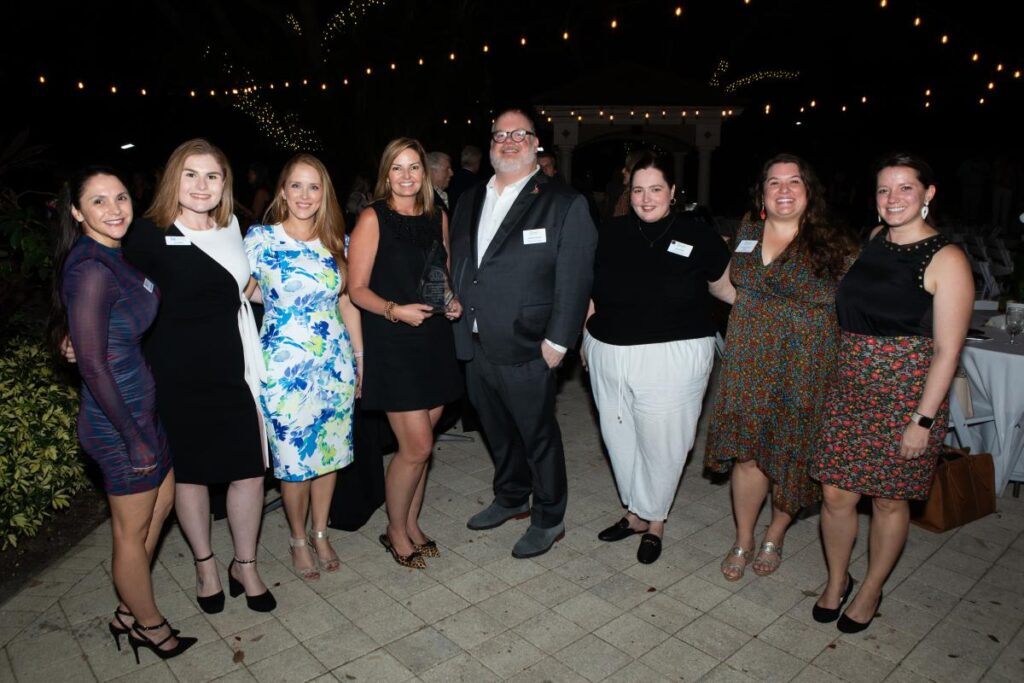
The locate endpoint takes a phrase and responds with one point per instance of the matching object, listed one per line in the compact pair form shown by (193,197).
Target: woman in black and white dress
(204,351)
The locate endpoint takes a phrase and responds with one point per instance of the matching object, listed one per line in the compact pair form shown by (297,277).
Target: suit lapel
(479,194)
(519,207)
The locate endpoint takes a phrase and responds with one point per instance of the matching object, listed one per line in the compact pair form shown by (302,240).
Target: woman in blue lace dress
(311,339)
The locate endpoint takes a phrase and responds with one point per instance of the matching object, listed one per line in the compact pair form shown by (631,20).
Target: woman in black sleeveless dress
(410,368)
(903,309)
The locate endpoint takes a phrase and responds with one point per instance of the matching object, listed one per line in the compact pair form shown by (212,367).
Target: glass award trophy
(435,289)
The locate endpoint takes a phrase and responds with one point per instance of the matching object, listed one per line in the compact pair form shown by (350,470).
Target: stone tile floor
(586,611)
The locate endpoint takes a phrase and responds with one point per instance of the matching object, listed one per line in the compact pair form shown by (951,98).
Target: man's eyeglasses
(517,135)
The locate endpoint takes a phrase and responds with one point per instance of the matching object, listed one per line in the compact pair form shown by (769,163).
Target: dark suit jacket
(522,294)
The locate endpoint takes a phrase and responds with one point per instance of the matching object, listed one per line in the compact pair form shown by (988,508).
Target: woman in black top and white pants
(649,345)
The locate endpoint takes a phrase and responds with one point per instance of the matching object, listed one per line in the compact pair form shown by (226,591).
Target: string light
(522,41)
(864,99)
(393,66)
(113,90)
(486,48)
(883,4)
(294,23)
(945,39)
(81,86)
(975,57)
(42,80)
(999,67)
(565,35)
(143,91)
(679,11)
(991,85)
(928,92)
(767,75)
(451,56)
(615,23)
(767,109)
(346,18)
(917,21)
(421,61)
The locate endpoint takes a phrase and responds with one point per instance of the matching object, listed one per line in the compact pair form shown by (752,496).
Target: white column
(709,136)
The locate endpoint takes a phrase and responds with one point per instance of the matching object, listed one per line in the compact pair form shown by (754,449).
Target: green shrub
(40,465)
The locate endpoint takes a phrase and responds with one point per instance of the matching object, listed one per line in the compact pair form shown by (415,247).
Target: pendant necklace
(650,242)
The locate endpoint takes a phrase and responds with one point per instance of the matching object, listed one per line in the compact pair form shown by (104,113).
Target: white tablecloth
(995,369)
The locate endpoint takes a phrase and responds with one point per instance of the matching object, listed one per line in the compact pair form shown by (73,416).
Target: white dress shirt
(496,207)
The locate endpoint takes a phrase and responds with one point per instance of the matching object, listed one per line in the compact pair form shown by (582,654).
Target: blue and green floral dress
(310,384)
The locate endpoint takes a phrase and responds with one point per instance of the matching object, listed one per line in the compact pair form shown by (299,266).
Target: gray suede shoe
(537,541)
(495,515)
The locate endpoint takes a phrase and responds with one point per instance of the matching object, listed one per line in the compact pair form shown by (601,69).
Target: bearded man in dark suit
(522,266)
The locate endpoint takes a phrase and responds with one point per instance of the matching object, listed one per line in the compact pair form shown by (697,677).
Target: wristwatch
(921,420)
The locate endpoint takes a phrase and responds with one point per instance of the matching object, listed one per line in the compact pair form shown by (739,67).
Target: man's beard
(525,162)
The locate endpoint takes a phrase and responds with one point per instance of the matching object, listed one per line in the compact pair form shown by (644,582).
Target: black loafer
(617,531)
(649,550)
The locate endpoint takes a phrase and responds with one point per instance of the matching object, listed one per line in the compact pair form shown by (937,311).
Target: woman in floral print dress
(311,340)
(903,308)
(780,357)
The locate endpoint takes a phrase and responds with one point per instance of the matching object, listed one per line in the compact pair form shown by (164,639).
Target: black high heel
(123,628)
(848,625)
(264,602)
(211,604)
(824,615)
(143,640)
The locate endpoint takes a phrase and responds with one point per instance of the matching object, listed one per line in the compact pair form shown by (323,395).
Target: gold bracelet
(389,311)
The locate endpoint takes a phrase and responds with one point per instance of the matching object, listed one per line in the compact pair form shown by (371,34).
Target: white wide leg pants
(649,398)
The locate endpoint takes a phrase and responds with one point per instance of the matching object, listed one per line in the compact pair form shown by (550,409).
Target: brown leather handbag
(963,490)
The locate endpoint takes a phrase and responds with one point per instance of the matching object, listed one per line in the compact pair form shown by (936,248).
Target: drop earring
(924,211)
(763,214)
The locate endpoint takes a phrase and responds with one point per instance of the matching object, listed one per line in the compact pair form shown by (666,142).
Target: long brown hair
(824,243)
(68,232)
(165,207)
(425,198)
(328,225)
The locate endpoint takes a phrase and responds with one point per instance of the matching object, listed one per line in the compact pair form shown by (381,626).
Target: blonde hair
(328,225)
(165,207)
(425,198)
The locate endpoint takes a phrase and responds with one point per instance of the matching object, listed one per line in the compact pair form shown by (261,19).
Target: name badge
(535,236)
(177,241)
(679,248)
(148,285)
(746,246)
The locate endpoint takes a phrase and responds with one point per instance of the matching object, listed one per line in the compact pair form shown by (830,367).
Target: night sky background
(842,51)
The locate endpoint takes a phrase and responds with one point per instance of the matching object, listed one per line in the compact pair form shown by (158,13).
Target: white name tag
(177,241)
(746,246)
(535,236)
(148,284)
(680,248)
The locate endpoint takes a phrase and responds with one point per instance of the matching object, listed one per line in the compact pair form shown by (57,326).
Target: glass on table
(1015,320)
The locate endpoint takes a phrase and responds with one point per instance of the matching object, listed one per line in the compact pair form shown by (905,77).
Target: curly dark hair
(827,245)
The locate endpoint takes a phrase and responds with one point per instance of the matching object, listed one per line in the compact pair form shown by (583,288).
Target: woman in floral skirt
(903,308)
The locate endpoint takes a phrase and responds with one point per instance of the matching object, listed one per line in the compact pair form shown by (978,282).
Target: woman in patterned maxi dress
(780,357)
(311,339)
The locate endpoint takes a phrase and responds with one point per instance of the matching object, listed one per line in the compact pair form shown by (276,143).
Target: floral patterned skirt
(879,384)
